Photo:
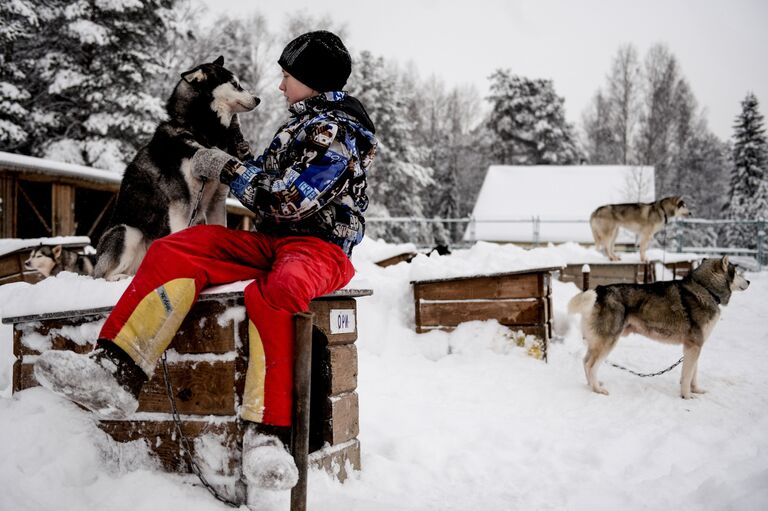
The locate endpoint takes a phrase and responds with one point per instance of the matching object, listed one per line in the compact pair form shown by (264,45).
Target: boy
(308,190)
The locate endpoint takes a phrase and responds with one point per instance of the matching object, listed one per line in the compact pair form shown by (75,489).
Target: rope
(645,375)
(184,441)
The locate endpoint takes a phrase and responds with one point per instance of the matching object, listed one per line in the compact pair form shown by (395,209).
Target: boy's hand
(207,164)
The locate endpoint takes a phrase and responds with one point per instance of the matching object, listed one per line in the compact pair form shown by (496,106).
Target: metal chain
(184,442)
(644,375)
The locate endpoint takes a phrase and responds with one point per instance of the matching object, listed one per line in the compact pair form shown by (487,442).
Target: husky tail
(582,302)
(119,252)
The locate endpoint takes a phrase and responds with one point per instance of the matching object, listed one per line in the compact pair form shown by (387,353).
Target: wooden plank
(399,258)
(542,330)
(200,388)
(199,333)
(162,440)
(63,209)
(511,286)
(507,312)
(502,274)
(343,368)
(334,460)
(9,205)
(342,419)
(322,311)
(12,264)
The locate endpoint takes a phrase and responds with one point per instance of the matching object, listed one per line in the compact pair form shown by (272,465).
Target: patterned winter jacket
(311,179)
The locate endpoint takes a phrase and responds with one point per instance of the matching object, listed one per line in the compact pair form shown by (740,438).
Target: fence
(704,236)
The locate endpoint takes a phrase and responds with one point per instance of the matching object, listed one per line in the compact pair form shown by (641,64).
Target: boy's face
(294,90)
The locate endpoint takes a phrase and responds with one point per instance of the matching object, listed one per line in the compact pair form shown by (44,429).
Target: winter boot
(106,381)
(267,464)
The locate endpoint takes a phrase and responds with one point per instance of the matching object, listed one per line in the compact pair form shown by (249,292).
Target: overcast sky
(722,46)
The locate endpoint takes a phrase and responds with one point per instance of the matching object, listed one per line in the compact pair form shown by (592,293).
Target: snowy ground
(485,427)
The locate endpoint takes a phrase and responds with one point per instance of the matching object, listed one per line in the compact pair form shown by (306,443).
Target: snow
(8,245)
(573,193)
(452,421)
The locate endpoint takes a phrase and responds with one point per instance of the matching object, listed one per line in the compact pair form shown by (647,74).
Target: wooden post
(8,205)
(302,378)
(62,210)
(585,277)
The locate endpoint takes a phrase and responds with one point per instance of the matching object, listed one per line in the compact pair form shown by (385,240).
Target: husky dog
(49,261)
(678,312)
(161,189)
(644,219)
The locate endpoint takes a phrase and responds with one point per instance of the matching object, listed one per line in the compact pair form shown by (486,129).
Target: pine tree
(95,70)
(398,180)
(528,120)
(19,26)
(748,194)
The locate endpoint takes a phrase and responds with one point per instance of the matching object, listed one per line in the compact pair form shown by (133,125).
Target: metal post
(760,239)
(302,389)
(585,270)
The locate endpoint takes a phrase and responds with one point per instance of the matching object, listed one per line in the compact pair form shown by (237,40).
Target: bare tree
(623,98)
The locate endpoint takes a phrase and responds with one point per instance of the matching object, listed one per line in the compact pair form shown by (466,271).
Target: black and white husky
(159,192)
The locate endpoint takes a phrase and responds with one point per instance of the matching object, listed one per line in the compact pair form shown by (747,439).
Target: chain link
(184,442)
(645,375)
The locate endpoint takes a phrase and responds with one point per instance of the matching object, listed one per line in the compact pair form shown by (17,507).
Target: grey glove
(207,164)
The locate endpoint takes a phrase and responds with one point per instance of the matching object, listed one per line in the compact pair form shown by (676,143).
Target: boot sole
(80,379)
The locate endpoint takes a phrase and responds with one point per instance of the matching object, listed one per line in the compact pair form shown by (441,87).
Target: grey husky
(644,219)
(159,192)
(678,312)
(49,261)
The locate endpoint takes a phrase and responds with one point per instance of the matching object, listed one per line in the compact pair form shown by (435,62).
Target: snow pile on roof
(8,245)
(551,193)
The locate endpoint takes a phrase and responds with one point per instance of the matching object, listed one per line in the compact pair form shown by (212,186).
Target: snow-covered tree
(95,61)
(19,24)
(398,181)
(748,194)
(528,119)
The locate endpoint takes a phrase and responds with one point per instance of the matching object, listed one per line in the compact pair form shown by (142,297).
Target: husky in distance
(159,192)
(643,219)
(677,312)
(48,261)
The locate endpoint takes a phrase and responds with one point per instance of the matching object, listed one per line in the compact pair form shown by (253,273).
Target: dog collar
(718,300)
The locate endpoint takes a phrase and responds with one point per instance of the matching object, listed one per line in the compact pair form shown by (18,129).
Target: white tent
(546,203)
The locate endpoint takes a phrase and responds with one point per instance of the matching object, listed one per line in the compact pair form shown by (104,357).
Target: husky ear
(724,263)
(219,61)
(56,251)
(193,76)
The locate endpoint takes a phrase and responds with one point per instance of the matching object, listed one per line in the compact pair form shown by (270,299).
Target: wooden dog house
(520,300)
(213,339)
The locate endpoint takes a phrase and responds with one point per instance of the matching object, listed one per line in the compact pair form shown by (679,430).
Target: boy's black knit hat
(318,60)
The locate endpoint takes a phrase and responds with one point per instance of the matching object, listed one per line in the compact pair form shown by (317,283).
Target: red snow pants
(288,273)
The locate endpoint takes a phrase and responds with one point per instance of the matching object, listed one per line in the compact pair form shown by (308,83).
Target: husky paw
(600,390)
(698,390)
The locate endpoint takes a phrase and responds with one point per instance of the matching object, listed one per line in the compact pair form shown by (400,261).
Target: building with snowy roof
(43,198)
(536,204)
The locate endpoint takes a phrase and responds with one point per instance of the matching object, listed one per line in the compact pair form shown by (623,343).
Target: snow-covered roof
(12,161)
(31,164)
(9,245)
(561,197)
